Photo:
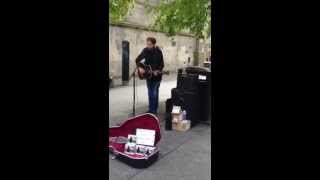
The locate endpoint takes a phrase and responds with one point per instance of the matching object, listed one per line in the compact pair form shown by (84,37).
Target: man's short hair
(152,40)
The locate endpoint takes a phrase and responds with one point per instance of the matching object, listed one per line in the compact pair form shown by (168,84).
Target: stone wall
(135,30)
(175,53)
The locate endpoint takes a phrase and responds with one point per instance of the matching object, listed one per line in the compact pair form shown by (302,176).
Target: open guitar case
(129,126)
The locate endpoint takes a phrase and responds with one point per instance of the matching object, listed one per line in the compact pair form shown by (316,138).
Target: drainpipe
(196,53)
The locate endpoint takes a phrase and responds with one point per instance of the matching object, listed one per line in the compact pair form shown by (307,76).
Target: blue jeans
(153,93)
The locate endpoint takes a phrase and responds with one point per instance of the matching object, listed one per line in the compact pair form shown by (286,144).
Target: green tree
(171,16)
(118,9)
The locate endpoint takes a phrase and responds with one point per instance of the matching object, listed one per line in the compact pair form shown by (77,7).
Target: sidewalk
(170,77)
(183,155)
(121,98)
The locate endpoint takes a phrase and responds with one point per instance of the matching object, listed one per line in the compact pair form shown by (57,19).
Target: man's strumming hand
(156,72)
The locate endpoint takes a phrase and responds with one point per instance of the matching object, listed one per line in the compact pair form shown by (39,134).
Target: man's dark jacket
(154,58)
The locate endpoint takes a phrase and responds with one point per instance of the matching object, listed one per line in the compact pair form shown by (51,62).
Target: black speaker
(192,106)
(169,105)
(195,70)
(188,82)
(204,84)
(177,97)
(125,61)
(197,80)
(168,126)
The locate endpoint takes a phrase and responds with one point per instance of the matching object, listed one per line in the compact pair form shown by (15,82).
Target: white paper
(176,109)
(146,137)
(176,118)
(201,77)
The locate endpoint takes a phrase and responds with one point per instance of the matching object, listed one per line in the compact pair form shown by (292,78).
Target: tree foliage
(178,15)
(118,9)
(171,16)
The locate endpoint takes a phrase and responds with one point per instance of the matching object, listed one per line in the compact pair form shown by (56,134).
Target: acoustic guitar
(144,72)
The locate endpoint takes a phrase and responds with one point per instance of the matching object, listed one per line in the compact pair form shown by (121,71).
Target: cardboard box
(183,125)
(174,125)
(176,118)
(176,114)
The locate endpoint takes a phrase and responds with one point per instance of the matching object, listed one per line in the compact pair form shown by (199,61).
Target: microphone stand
(134,94)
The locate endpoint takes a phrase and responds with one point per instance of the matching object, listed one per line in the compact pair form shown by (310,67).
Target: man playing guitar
(150,65)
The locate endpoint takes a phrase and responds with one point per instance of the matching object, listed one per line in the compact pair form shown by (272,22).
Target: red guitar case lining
(144,121)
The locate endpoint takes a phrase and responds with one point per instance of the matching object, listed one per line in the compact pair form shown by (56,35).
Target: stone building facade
(135,28)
